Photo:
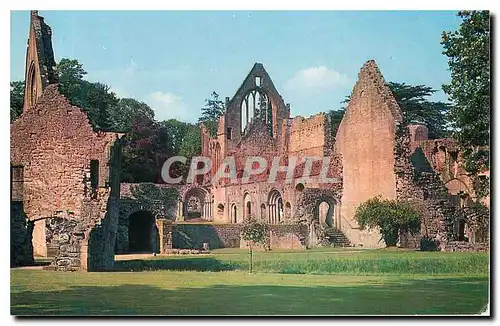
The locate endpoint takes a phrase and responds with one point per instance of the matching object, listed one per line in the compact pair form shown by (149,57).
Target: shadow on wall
(199,264)
(21,234)
(430,296)
(420,162)
(192,236)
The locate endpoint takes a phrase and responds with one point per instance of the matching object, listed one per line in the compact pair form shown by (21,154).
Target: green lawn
(179,286)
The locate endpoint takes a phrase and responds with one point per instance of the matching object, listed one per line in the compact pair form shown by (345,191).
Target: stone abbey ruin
(67,201)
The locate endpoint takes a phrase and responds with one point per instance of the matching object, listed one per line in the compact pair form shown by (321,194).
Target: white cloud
(316,78)
(168,105)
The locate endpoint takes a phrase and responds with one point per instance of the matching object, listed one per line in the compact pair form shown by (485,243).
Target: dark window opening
(229,133)
(94,174)
(16,183)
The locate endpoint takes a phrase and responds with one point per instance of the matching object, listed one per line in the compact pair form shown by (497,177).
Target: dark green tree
(416,108)
(100,104)
(468,52)
(16,99)
(143,154)
(214,108)
(335,117)
(126,110)
(71,75)
(94,98)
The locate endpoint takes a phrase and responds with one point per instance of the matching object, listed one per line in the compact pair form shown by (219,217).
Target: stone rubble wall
(54,142)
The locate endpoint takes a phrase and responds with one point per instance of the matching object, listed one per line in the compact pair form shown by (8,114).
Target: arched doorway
(247,200)
(142,232)
(234,214)
(275,207)
(324,212)
(197,205)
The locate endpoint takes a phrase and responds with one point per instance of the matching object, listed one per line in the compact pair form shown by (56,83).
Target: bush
(392,217)
(428,244)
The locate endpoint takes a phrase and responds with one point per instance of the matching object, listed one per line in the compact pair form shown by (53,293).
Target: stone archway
(247,203)
(142,232)
(275,205)
(324,212)
(197,204)
(234,213)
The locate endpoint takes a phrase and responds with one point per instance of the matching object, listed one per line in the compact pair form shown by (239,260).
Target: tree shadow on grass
(177,264)
(430,296)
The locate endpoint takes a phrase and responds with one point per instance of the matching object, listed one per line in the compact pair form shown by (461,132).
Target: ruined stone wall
(310,136)
(54,142)
(192,236)
(463,246)
(365,139)
(288,236)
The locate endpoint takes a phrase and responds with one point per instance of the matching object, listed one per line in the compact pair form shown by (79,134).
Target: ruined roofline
(314,115)
(257,66)
(370,71)
(43,35)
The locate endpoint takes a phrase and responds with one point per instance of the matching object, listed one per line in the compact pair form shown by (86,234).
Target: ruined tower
(40,70)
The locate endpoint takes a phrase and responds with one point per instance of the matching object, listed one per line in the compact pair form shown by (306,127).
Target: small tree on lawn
(392,217)
(254,233)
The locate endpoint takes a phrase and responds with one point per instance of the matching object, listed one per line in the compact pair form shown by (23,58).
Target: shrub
(392,217)
(428,244)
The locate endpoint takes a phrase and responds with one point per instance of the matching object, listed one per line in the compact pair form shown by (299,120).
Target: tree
(392,217)
(254,233)
(142,152)
(335,117)
(150,194)
(100,103)
(126,110)
(416,108)
(211,112)
(468,52)
(71,75)
(94,98)
(16,99)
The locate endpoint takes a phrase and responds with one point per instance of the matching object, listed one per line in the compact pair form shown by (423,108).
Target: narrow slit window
(94,174)
(257,81)
(229,132)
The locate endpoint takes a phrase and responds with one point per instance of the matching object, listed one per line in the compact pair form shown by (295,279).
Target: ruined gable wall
(365,140)
(55,142)
(40,69)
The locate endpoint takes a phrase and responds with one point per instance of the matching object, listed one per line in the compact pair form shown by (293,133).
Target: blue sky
(173,60)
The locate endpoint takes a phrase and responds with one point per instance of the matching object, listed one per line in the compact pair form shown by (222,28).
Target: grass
(323,261)
(286,283)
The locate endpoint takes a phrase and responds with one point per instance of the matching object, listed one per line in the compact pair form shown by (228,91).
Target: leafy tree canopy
(214,108)
(468,53)
(392,217)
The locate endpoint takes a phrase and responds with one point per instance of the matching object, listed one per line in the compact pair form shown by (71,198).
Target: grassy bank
(319,281)
(322,261)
